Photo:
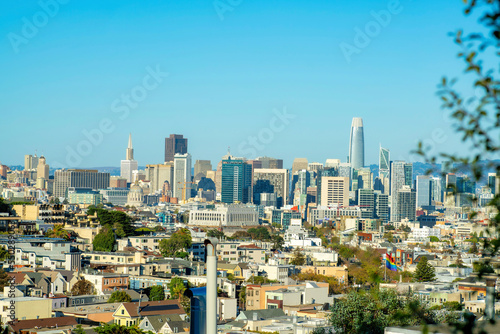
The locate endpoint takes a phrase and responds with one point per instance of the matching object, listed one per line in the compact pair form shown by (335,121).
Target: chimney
(211,252)
(490,297)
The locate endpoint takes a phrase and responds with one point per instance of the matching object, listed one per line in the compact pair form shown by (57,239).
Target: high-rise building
(325,172)
(158,174)
(271,180)
(173,145)
(42,170)
(424,191)
(332,163)
(79,178)
(436,190)
(117,182)
(384,162)
(494,183)
(128,165)
(202,167)
(236,180)
(406,204)
(30,162)
(357,144)
(270,163)
(299,164)
(381,206)
(401,175)
(365,178)
(182,176)
(366,201)
(314,166)
(334,190)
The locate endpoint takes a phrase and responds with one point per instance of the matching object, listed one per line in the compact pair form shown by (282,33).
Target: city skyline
(246,92)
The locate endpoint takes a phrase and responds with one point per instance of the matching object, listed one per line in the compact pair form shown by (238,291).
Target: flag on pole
(390,263)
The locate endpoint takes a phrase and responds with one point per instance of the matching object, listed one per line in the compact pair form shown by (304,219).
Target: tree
(118,329)
(176,288)
(157,292)
(260,280)
(78,330)
(178,241)
(82,287)
(260,233)
(58,231)
(120,221)
(4,279)
(242,296)
(371,312)
(215,234)
(424,272)
(388,236)
(119,297)
(5,207)
(4,254)
(277,241)
(104,241)
(433,238)
(240,235)
(333,285)
(482,267)
(298,258)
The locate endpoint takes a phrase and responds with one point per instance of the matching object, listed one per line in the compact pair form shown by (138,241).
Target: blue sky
(229,72)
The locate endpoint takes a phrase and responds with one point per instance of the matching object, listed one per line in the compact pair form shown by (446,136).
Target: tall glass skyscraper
(384,162)
(357,144)
(236,181)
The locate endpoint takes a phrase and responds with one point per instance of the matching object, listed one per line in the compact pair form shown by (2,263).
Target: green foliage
(120,221)
(277,241)
(260,233)
(4,279)
(4,254)
(78,330)
(58,231)
(176,288)
(388,236)
(345,252)
(157,292)
(405,228)
(240,235)
(242,296)
(178,241)
(298,258)
(215,234)
(368,269)
(389,227)
(372,312)
(424,272)
(482,267)
(433,238)
(5,207)
(82,287)
(104,241)
(453,306)
(260,280)
(118,329)
(119,297)
(333,285)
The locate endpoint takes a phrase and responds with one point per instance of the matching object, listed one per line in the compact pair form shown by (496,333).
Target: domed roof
(135,188)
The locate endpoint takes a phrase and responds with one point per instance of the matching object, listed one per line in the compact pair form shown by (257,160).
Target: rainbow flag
(390,263)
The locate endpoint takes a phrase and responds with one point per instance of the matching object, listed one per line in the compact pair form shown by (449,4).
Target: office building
(315,166)
(128,165)
(365,178)
(173,145)
(225,215)
(117,182)
(424,193)
(357,144)
(494,183)
(270,163)
(299,164)
(182,176)
(330,171)
(334,190)
(79,178)
(384,163)
(30,162)
(406,203)
(401,175)
(84,196)
(381,206)
(115,196)
(436,190)
(42,170)
(201,167)
(158,174)
(271,180)
(236,180)
(366,201)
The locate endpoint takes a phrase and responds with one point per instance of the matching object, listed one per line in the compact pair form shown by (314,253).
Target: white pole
(210,248)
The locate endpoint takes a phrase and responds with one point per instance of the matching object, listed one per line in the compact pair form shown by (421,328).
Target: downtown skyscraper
(384,162)
(173,145)
(128,165)
(357,144)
